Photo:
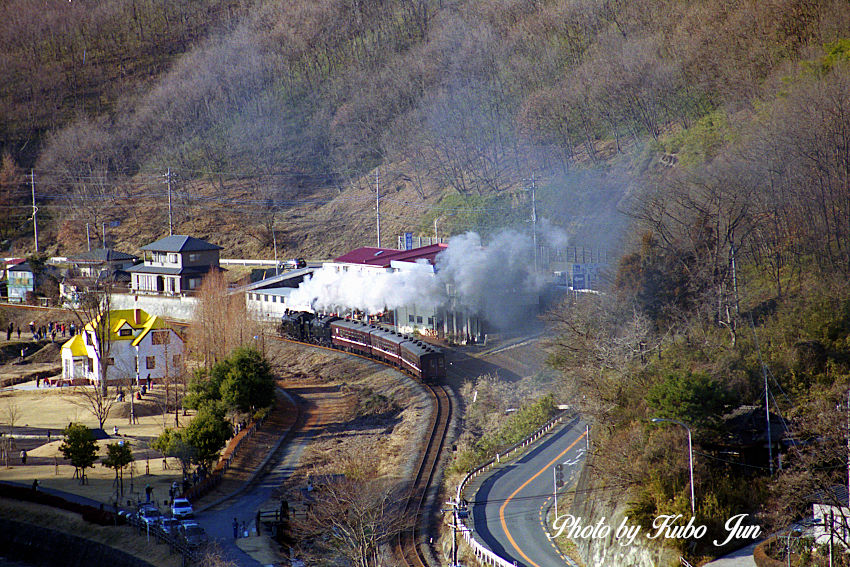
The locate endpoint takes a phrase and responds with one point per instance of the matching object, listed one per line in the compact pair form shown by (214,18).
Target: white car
(182,508)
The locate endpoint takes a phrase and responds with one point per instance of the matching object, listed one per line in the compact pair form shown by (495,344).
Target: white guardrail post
(484,555)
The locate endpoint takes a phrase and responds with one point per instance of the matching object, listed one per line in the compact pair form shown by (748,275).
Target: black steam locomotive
(415,357)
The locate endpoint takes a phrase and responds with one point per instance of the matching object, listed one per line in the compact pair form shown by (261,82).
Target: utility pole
(767,414)
(766,397)
(378,206)
(555,488)
(103,233)
(170,219)
(34,209)
(274,240)
(88,237)
(534,220)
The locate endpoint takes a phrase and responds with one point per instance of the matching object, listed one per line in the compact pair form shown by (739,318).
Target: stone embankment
(603,552)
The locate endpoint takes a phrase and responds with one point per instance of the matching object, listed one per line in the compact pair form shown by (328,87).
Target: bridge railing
(484,555)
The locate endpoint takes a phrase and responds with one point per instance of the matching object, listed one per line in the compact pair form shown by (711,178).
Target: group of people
(39,332)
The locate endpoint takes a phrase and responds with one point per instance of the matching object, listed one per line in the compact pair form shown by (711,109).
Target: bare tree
(11,413)
(355,515)
(94,400)
(220,322)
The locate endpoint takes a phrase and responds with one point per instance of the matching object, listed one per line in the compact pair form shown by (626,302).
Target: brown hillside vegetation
(289,103)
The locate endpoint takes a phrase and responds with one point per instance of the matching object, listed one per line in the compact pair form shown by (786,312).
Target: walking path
(261,491)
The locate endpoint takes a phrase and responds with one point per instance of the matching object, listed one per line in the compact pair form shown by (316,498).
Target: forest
(707,143)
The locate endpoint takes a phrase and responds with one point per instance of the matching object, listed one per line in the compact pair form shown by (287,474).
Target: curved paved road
(508,507)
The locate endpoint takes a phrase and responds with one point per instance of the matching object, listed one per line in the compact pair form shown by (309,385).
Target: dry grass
(54,408)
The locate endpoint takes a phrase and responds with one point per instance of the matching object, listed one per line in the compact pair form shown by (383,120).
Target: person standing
(9,331)
(235,528)
(23,457)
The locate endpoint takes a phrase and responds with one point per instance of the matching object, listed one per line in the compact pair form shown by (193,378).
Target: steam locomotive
(415,357)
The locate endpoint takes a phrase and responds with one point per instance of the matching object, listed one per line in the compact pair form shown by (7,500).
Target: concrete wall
(180,308)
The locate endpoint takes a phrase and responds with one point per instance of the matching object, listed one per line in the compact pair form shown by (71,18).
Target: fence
(214,479)
(484,555)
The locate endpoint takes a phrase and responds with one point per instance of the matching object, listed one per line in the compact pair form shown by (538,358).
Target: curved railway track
(408,542)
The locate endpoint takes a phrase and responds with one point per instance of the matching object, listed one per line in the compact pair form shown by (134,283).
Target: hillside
(705,143)
(293,101)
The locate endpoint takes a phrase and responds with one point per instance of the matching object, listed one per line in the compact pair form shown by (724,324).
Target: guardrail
(484,555)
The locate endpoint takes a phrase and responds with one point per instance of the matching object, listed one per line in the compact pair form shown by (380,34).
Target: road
(507,514)
(320,406)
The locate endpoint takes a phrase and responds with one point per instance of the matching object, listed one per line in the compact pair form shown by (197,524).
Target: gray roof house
(95,262)
(174,265)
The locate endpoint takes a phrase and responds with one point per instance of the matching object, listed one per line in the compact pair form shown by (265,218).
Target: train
(419,359)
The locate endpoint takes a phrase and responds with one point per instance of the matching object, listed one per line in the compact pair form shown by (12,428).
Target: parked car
(295,263)
(169,525)
(181,508)
(193,534)
(149,515)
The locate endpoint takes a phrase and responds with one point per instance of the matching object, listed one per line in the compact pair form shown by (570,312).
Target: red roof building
(382,257)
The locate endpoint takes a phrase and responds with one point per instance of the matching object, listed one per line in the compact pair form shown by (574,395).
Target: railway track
(408,542)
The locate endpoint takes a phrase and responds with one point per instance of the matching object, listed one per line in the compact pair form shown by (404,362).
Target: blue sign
(408,241)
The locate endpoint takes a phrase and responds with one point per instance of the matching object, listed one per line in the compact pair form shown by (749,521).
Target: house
(73,290)
(140,347)
(742,437)
(830,516)
(174,265)
(21,281)
(92,270)
(101,261)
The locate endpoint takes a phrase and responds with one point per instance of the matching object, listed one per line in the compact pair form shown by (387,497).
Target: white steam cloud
(496,281)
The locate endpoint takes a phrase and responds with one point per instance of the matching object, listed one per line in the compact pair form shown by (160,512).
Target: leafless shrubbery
(355,515)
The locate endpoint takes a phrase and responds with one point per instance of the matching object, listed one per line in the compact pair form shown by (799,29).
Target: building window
(172,258)
(431,321)
(125,332)
(194,283)
(175,361)
(194,257)
(160,337)
(419,318)
(411,319)
(150,362)
(274,299)
(110,361)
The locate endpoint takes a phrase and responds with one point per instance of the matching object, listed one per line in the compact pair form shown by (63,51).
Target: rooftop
(180,243)
(101,255)
(372,256)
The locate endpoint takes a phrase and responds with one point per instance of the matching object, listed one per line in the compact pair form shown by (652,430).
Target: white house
(140,347)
